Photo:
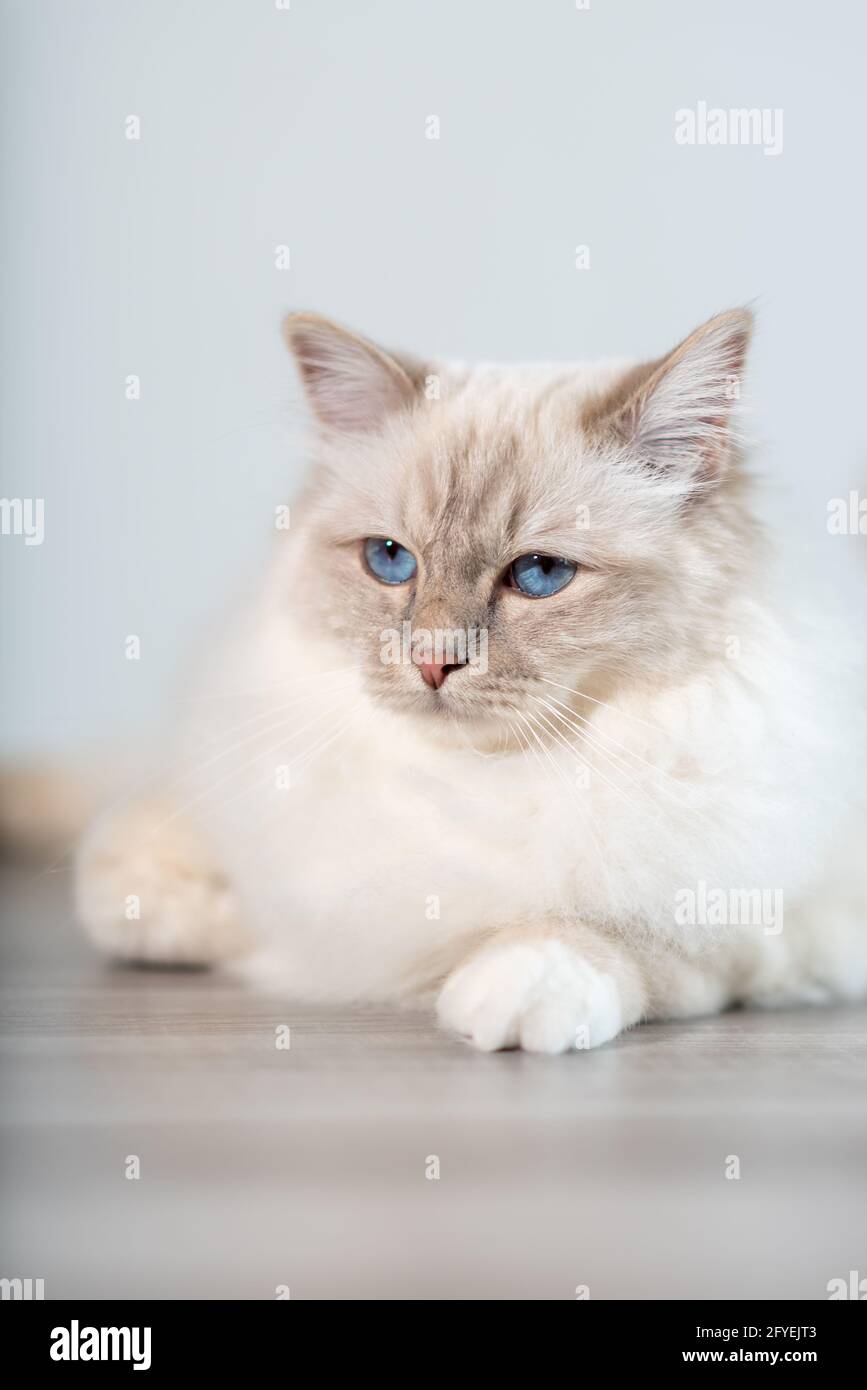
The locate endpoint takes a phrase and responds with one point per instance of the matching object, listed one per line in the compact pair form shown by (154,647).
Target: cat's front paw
(148,890)
(539,994)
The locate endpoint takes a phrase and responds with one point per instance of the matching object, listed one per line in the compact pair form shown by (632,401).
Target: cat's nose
(433,673)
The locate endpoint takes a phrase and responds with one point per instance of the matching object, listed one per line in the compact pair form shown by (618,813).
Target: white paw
(539,995)
(147,891)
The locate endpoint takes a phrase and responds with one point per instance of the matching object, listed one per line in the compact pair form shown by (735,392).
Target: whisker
(141,785)
(604,705)
(265,689)
(581,808)
(260,733)
(603,733)
(614,760)
(306,760)
(318,747)
(234,772)
(603,753)
(619,790)
(525,724)
(532,724)
(303,759)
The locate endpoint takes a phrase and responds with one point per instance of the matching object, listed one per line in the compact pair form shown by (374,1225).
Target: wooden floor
(307,1166)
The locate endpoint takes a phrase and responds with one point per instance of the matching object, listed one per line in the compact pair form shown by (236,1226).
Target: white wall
(307,127)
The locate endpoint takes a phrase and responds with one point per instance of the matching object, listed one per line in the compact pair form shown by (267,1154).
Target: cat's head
(479,539)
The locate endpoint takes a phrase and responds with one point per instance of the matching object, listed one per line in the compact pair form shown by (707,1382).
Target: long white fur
(398,860)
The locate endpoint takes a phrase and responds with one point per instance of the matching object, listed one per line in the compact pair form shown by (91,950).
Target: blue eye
(388,561)
(539,576)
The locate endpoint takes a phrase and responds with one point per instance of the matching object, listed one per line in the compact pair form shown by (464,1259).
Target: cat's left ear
(351,383)
(675,415)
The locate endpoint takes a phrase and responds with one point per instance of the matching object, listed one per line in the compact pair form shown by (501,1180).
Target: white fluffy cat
(633,795)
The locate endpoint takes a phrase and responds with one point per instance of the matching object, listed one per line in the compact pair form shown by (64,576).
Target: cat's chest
(374,833)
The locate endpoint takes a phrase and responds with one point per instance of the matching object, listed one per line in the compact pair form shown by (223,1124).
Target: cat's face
(488,543)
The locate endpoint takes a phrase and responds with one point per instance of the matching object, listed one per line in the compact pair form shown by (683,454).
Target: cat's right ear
(350,383)
(675,415)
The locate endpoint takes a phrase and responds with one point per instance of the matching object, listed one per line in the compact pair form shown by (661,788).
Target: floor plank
(307,1167)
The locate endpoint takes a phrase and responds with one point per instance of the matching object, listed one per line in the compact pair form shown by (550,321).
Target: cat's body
(643,803)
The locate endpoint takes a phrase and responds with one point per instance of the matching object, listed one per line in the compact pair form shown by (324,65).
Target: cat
(521,724)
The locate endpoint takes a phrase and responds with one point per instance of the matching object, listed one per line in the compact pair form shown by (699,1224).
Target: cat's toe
(541,996)
(553,1025)
(483,999)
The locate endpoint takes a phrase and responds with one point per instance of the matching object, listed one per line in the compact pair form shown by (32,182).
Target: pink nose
(434,673)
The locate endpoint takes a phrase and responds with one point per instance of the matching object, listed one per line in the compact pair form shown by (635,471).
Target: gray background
(306,127)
